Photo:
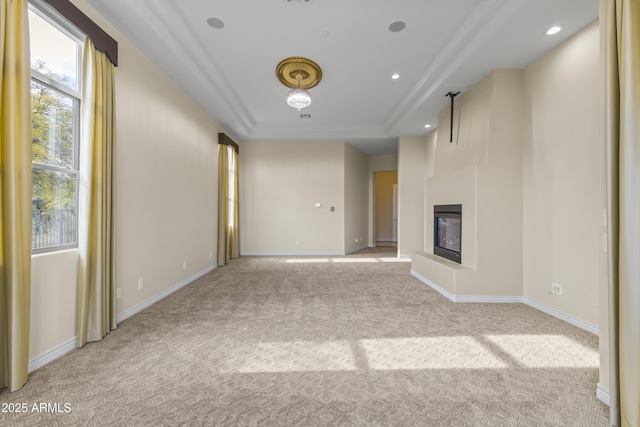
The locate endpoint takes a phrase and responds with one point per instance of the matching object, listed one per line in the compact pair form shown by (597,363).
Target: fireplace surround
(447,232)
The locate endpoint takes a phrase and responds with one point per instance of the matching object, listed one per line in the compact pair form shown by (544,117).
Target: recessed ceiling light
(553,30)
(427,126)
(397,26)
(396,76)
(215,23)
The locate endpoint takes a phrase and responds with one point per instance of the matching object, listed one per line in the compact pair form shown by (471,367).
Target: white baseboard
(386,240)
(301,253)
(359,248)
(53,354)
(603,394)
(147,303)
(493,299)
(562,316)
(509,299)
(466,298)
(442,291)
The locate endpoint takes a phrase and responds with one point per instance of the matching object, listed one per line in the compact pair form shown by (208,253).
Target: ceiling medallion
(299,74)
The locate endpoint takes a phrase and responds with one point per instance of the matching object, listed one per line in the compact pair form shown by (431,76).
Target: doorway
(386,208)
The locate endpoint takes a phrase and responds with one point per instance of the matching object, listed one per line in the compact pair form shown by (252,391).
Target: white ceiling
(447,45)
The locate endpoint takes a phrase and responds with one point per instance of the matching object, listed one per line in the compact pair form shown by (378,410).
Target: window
(232,187)
(56,58)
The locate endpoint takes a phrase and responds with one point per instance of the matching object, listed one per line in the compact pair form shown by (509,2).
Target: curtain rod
(100,39)
(225,140)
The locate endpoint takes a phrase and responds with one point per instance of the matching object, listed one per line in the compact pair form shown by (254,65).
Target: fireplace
(447,232)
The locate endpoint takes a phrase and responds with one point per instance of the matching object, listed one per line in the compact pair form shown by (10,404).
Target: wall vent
(298,1)
(305,116)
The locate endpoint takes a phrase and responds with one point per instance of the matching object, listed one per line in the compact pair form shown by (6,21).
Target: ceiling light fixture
(553,30)
(299,74)
(215,23)
(397,26)
(395,76)
(427,126)
(299,98)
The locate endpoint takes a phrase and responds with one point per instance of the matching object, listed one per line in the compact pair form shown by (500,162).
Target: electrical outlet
(297,242)
(140,283)
(118,293)
(556,289)
(184,265)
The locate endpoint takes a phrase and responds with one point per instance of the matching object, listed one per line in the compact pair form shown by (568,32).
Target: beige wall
(482,170)
(166,201)
(167,182)
(563,177)
(383,162)
(412,158)
(564,181)
(53,300)
(280,183)
(356,199)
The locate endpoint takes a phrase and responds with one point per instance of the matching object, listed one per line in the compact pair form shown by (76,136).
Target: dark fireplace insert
(447,232)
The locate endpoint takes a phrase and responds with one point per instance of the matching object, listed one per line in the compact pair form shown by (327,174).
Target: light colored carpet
(321,341)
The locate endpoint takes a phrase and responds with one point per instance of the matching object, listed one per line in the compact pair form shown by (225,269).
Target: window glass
(232,185)
(52,126)
(55,106)
(53,53)
(53,210)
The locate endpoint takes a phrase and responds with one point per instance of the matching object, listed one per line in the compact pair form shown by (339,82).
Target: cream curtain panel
(234,241)
(223,206)
(15,193)
(228,242)
(96,314)
(620,23)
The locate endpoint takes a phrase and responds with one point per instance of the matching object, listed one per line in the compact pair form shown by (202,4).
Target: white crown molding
(289,133)
(466,44)
(188,51)
(202,66)
(482,23)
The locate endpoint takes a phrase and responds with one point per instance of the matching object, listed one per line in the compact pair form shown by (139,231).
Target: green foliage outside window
(54,166)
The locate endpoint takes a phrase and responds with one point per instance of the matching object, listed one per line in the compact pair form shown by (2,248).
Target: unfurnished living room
(319,212)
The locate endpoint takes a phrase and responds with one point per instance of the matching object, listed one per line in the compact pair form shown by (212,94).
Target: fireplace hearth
(447,232)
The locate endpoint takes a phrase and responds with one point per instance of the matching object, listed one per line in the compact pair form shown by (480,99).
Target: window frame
(231,208)
(52,17)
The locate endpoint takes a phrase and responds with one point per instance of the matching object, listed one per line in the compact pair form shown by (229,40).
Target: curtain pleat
(15,194)
(223,205)
(234,241)
(97,313)
(620,22)
(228,239)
